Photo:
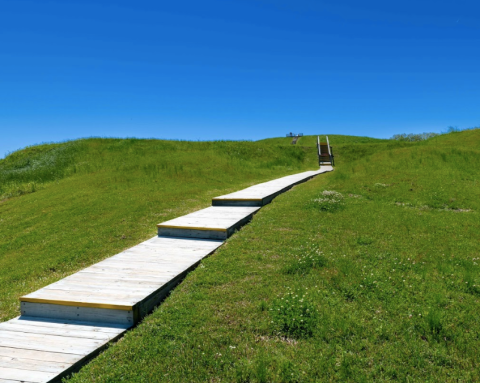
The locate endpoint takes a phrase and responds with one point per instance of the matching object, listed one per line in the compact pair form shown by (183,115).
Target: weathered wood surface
(39,350)
(212,222)
(261,194)
(115,290)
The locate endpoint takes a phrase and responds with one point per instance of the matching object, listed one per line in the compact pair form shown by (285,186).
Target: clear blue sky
(227,69)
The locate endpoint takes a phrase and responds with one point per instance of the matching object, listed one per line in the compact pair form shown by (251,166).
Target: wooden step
(211,223)
(264,193)
(121,289)
(42,350)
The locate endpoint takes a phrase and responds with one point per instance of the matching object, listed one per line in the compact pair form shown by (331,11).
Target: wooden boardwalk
(261,194)
(65,324)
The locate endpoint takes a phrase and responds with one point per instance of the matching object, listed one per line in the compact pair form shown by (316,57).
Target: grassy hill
(369,273)
(66,206)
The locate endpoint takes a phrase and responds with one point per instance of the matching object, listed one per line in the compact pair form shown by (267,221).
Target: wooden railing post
(329,152)
(319,151)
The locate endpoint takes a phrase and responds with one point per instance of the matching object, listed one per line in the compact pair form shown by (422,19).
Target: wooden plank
(65,332)
(107,288)
(34,365)
(132,268)
(39,345)
(140,251)
(99,282)
(126,274)
(26,375)
(169,246)
(123,299)
(161,254)
(82,313)
(107,291)
(117,270)
(129,273)
(69,324)
(182,243)
(157,259)
(77,302)
(38,355)
(152,266)
(83,301)
(192,233)
(28,329)
(130,276)
(198,224)
(76,346)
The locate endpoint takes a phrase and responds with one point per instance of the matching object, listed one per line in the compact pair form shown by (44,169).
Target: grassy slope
(392,275)
(82,201)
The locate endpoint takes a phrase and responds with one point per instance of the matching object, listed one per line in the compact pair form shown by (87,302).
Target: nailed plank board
(38,350)
(38,329)
(261,194)
(51,343)
(67,312)
(121,288)
(212,222)
(22,375)
(37,355)
(32,365)
(68,325)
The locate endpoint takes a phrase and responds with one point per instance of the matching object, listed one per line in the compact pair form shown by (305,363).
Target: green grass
(66,206)
(388,271)
(390,279)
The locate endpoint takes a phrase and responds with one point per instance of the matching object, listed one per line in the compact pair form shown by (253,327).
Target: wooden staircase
(325,153)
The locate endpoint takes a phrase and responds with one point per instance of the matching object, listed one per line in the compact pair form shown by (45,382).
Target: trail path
(65,324)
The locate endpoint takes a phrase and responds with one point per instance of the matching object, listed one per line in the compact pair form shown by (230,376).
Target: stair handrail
(319,151)
(330,152)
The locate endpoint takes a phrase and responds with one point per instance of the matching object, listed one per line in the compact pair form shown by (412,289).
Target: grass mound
(66,206)
(25,170)
(390,282)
